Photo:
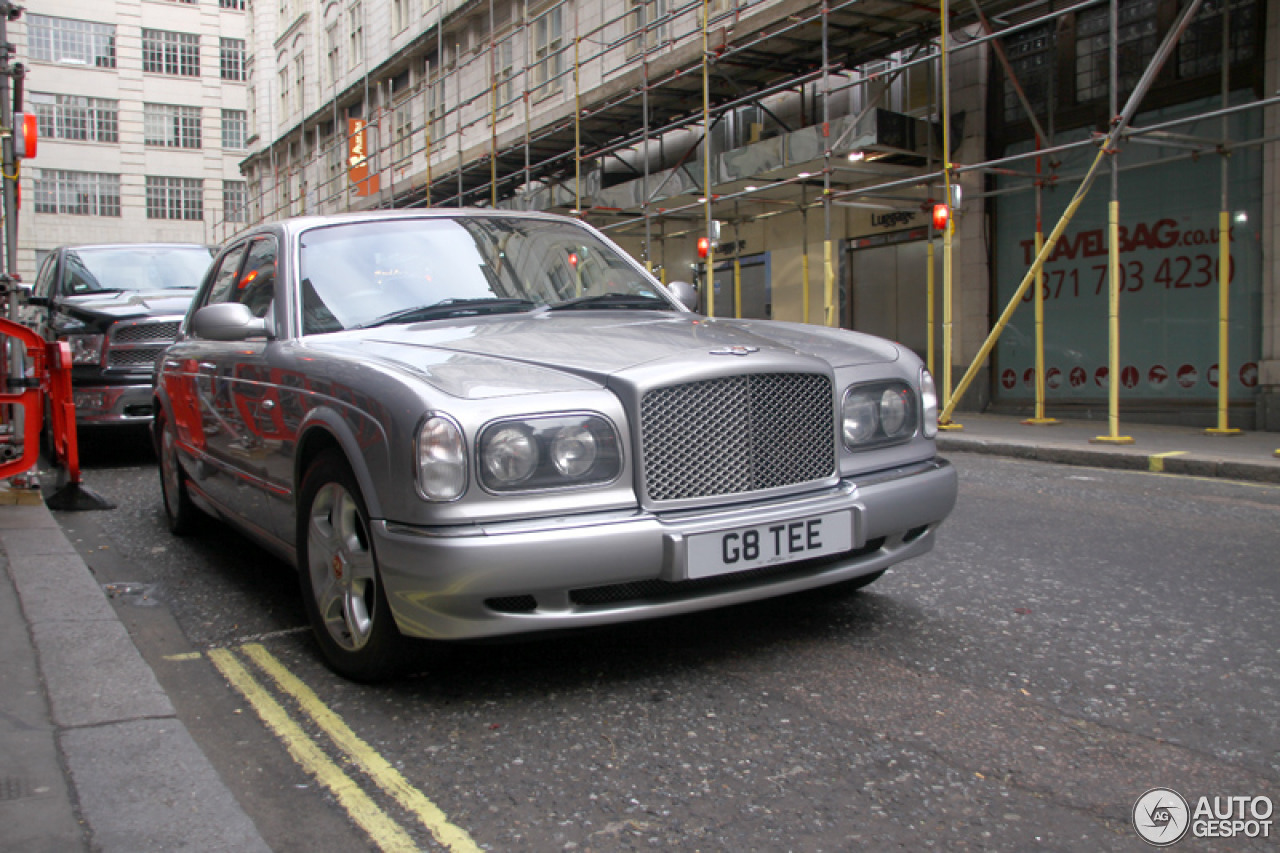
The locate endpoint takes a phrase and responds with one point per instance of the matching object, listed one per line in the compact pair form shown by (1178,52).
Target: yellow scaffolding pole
(577,130)
(1036,266)
(948,232)
(1224,248)
(706,160)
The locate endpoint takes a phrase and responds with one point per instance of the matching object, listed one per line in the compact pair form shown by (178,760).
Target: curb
(1187,465)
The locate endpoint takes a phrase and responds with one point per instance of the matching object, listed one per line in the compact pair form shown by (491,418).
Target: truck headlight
(442,459)
(85,349)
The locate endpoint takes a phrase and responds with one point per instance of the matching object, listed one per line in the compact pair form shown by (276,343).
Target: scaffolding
(599,121)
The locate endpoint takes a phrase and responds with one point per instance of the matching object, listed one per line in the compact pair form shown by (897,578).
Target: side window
(44,278)
(225,279)
(257,286)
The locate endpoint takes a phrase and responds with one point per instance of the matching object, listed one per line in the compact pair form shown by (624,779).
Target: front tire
(182,516)
(341,586)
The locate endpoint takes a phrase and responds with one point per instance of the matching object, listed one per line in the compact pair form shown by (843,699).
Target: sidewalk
(95,758)
(1168,449)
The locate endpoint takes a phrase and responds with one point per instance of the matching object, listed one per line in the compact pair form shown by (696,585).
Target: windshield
(378,272)
(86,271)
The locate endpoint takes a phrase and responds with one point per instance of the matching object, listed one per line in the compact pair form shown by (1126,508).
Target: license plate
(745,548)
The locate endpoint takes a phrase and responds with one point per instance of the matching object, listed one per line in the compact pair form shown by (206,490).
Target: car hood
(547,351)
(131,303)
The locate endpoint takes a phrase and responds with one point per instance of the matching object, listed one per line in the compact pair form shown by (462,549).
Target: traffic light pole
(9,12)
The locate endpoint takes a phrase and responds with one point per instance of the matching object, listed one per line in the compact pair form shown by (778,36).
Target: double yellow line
(383,830)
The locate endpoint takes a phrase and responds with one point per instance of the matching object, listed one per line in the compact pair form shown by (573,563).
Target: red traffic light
(25,134)
(573,259)
(941,213)
(704,247)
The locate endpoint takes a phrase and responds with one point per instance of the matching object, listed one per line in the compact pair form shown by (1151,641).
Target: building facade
(809,142)
(143,121)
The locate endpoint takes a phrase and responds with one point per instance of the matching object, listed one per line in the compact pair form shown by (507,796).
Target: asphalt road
(1078,637)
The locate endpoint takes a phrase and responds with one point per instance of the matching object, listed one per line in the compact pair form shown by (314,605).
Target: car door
(237,394)
(190,373)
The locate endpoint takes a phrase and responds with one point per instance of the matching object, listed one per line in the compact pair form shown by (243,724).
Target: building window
(171,126)
(235,197)
(1200,51)
(78,193)
(76,117)
(355,27)
(647,17)
(504,75)
(286,94)
(399,15)
(237,5)
(1136,40)
(235,127)
(71,42)
(1030,53)
(333,51)
(548,40)
(164,52)
(175,198)
(300,81)
(402,130)
(436,108)
(231,59)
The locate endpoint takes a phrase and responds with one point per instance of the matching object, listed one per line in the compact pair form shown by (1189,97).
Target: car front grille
(164,332)
(136,345)
(133,358)
(737,434)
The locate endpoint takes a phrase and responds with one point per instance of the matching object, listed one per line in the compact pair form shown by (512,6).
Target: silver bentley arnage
(469,424)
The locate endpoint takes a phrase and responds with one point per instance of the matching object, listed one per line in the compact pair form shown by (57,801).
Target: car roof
(296,224)
(79,246)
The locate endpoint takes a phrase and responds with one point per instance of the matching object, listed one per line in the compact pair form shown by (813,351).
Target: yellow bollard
(1113,329)
(1040,419)
(1224,324)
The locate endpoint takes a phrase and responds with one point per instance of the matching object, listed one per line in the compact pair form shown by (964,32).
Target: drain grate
(20,788)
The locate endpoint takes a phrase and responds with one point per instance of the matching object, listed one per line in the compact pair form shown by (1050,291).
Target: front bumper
(598,569)
(105,405)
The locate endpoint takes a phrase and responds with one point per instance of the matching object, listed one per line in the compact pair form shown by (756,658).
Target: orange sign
(358,159)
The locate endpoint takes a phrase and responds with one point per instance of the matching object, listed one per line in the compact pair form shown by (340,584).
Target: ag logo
(1161,817)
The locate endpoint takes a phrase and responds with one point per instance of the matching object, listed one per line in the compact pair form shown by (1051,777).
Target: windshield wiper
(98,292)
(612,300)
(451,308)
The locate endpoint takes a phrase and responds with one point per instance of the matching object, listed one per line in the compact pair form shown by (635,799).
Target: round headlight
(509,455)
(859,417)
(573,450)
(893,411)
(442,459)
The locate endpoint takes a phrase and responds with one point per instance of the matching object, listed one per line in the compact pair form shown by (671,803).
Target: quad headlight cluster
(879,413)
(519,454)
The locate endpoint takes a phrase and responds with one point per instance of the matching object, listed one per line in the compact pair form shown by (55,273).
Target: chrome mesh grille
(142,357)
(737,434)
(163,332)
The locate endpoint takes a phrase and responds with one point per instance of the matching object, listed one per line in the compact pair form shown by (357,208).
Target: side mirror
(28,297)
(685,293)
(228,321)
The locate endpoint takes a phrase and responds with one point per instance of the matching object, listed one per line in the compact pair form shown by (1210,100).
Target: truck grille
(737,434)
(165,332)
(136,345)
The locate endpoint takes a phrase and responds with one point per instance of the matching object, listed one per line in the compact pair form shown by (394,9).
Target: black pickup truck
(118,306)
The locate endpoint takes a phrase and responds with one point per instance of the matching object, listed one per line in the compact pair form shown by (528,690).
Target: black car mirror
(228,321)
